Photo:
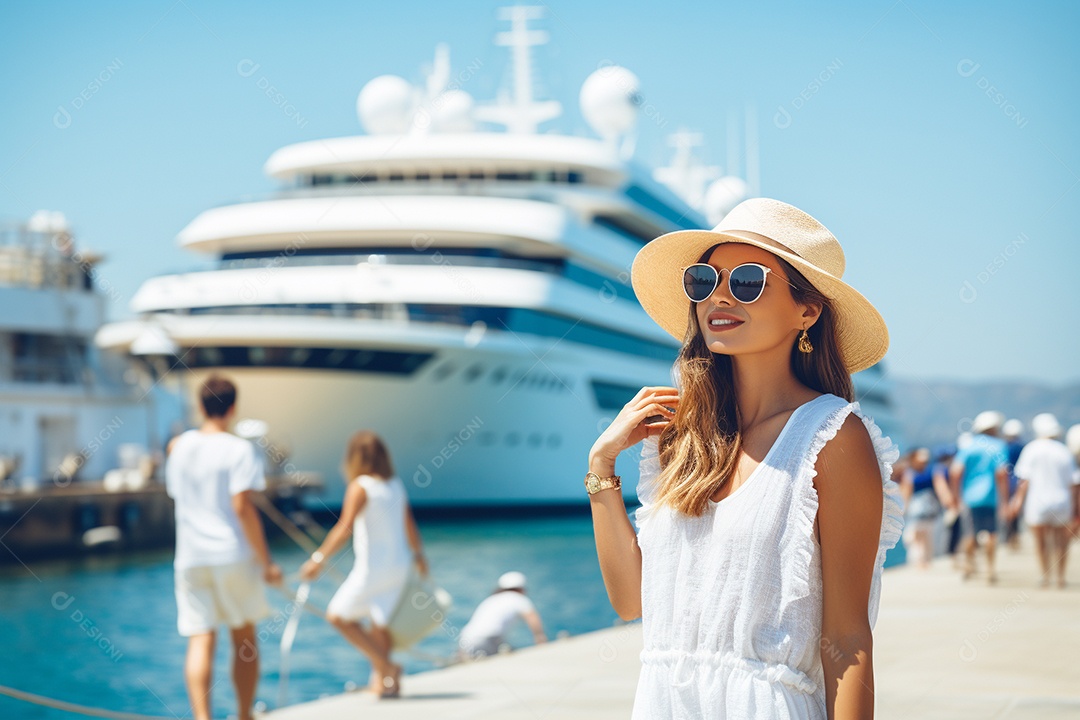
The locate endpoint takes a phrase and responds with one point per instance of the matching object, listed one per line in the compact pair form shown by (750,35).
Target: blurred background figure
(496,614)
(924,487)
(1011,432)
(386,542)
(222,558)
(1049,493)
(979,478)
(1072,441)
(943,456)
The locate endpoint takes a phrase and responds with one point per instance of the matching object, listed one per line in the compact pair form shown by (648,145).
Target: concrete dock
(944,648)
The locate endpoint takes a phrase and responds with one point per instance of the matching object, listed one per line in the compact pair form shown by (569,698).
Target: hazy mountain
(936,411)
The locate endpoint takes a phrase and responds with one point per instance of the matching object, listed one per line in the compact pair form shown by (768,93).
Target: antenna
(522,114)
(686,176)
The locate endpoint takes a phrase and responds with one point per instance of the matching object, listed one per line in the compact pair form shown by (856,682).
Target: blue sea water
(102,631)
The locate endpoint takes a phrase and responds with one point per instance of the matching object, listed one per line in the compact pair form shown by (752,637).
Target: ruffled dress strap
(648,474)
(892,513)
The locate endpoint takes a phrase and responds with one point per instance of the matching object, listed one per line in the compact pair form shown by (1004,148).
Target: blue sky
(938,141)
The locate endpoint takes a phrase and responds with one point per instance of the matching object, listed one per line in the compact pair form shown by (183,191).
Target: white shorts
(362,595)
(209,595)
(1057,514)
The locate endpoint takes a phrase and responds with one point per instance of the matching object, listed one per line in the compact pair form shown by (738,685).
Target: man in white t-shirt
(222,558)
(1049,492)
(496,614)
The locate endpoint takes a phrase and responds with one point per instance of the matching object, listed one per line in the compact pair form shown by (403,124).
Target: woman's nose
(722,291)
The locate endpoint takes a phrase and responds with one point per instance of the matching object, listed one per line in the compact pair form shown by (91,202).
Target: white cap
(1045,425)
(1072,439)
(512,580)
(1012,428)
(987,420)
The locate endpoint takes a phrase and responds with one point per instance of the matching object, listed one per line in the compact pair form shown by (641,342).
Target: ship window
(487,438)
(423,176)
(378,361)
(613,396)
(554,441)
(573,177)
(44,358)
(473,372)
(476,174)
(449,175)
(395,177)
(549,325)
(515,320)
(654,204)
(443,371)
(620,226)
(535,439)
(512,438)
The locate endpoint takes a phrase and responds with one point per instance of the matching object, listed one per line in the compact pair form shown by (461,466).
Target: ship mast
(522,114)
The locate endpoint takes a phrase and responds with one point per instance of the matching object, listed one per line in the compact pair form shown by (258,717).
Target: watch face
(592,483)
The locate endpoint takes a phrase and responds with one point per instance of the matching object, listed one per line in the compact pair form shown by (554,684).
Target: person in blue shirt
(1011,432)
(979,476)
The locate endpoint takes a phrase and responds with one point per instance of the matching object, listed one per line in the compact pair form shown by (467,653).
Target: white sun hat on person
(987,420)
(512,580)
(1046,425)
(1013,428)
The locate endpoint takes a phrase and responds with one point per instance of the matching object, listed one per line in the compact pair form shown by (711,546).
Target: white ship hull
(454,442)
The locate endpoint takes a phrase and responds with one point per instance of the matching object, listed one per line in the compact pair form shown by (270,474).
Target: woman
(924,487)
(767,504)
(376,513)
(1049,493)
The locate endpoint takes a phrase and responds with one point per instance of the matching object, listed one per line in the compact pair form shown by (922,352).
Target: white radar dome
(452,111)
(723,195)
(610,100)
(385,105)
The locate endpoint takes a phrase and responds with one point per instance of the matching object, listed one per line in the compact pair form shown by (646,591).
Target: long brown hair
(366,454)
(699,448)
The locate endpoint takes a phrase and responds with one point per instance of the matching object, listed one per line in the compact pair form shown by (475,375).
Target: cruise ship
(456,279)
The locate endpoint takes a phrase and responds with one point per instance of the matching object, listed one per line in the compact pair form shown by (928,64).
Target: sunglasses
(746,282)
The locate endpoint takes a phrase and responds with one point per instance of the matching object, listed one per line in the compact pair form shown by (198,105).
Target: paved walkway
(944,649)
(949,649)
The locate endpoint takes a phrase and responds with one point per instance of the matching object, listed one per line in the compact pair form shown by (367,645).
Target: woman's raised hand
(630,426)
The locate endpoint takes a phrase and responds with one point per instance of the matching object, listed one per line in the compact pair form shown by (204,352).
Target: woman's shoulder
(844,426)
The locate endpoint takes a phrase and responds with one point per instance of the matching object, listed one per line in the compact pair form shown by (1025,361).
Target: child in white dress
(767,504)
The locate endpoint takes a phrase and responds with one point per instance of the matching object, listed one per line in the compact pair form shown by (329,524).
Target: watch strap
(594,483)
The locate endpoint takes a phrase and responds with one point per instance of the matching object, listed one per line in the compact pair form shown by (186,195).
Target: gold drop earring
(804,343)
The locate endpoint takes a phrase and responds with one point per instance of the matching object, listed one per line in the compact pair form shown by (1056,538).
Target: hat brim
(861,334)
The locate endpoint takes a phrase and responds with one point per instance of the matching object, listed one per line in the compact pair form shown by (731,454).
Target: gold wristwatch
(594,483)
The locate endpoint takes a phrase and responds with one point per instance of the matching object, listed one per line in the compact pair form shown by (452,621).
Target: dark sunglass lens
(747,282)
(699,281)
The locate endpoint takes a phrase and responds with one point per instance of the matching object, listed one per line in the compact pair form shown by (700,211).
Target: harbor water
(102,631)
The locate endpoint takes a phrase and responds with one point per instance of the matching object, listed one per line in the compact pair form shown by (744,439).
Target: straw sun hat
(785,231)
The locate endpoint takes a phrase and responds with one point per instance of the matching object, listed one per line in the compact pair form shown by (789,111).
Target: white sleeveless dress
(731,600)
(382,557)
